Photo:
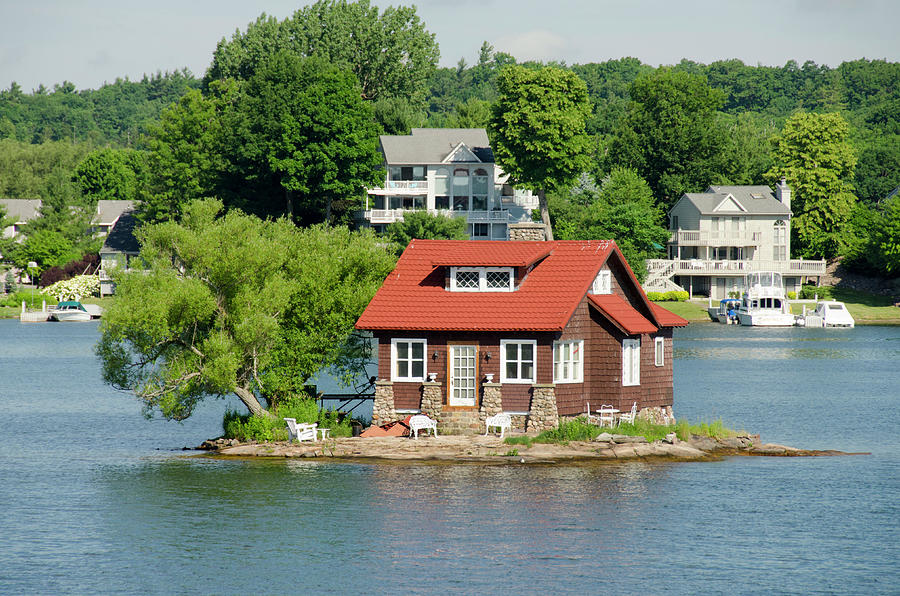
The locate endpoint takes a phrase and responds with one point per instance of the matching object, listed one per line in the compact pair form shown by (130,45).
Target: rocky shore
(491,449)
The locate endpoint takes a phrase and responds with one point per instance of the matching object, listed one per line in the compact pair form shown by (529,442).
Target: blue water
(97,500)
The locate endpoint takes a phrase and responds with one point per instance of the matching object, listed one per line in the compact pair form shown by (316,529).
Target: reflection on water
(98,500)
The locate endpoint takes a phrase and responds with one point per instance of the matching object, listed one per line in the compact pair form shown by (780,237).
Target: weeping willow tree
(235,305)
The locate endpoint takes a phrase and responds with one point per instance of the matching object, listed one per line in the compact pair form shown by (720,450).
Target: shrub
(677,296)
(792,295)
(11,286)
(809,292)
(655,296)
(72,289)
(246,427)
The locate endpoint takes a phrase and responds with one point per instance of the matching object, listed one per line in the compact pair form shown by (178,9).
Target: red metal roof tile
(413,296)
(625,316)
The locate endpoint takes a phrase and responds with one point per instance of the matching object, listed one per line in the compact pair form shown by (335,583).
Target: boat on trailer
(763,303)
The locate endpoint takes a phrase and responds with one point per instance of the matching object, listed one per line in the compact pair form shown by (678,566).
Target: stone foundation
(543,414)
(527,231)
(657,415)
(432,399)
(383,409)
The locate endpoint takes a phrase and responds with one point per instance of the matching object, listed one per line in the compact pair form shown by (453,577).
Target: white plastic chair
(630,416)
(501,420)
(607,415)
(422,422)
(301,432)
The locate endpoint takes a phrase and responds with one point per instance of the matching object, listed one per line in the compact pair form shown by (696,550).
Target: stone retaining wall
(527,231)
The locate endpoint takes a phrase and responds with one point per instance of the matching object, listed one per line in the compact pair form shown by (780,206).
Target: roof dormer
(461,154)
(482,279)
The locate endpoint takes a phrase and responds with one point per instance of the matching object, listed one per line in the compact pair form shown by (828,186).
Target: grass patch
(865,308)
(579,430)
(520,440)
(692,311)
(246,427)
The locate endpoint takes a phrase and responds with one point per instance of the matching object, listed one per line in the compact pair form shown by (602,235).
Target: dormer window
(602,283)
(481,279)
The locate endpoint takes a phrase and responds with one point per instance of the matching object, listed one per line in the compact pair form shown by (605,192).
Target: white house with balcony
(450,171)
(720,235)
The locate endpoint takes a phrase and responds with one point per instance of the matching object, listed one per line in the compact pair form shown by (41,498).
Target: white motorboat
(70,310)
(763,303)
(828,313)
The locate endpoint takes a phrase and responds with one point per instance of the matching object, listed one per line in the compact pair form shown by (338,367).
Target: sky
(90,42)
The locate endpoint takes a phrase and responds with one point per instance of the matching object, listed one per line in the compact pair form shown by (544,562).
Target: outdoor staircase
(659,278)
(460,422)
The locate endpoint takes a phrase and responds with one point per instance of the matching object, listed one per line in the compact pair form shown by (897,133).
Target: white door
(463,383)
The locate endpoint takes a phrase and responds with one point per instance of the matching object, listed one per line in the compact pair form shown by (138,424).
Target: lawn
(692,311)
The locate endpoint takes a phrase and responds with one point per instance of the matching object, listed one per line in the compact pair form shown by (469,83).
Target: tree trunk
(251,402)
(289,204)
(545,214)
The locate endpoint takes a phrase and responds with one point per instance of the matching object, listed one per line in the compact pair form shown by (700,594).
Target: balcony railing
(710,267)
(404,187)
(389,216)
(715,238)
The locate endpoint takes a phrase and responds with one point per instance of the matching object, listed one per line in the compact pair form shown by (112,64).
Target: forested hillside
(285,123)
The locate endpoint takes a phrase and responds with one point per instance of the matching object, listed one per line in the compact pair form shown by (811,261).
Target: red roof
(667,318)
(498,253)
(413,296)
(622,314)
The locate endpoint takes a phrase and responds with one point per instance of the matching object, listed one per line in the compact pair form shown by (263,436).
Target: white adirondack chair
(301,432)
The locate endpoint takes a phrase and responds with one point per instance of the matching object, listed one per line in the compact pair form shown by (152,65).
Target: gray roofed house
(119,248)
(107,213)
(20,211)
(450,171)
(720,235)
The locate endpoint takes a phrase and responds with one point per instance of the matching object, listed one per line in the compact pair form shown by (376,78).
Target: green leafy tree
(391,53)
(670,134)
(108,174)
(622,209)
(301,126)
(886,238)
(424,225)
(47,248)
(538,129)
(185,157)
(815,156)
(235,305)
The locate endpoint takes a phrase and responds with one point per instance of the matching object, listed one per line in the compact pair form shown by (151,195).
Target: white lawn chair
(630,416)
(607,415)
(422,422)
(301,432)
(501,420)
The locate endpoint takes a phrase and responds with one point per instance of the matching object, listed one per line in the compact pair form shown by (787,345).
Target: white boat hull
(70,316)
(766,319)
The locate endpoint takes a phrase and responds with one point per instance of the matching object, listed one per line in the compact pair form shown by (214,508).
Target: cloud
(539,44)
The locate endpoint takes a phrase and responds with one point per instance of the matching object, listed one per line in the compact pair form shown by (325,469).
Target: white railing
(497,216)
(715,238)
(401,187)
(734,267)
(388,216)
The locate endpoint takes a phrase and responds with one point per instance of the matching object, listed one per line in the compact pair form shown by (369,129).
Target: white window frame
(395,368)
(503,361)
(602,283)
(482,279)
(576,364)
(659,351)
(631,362)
